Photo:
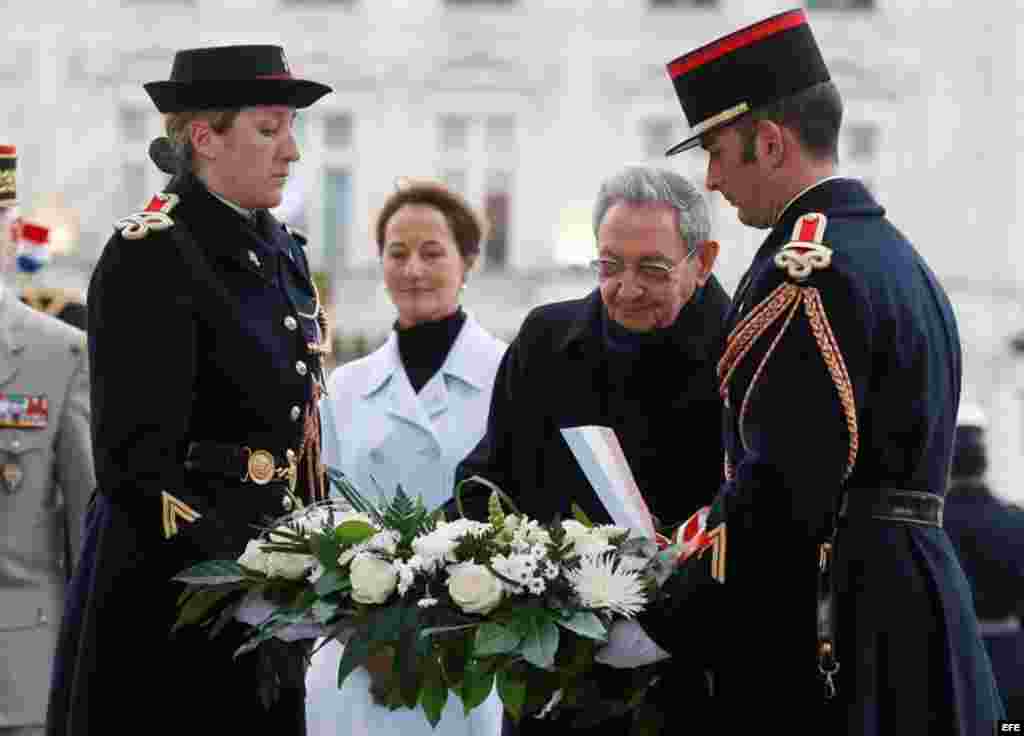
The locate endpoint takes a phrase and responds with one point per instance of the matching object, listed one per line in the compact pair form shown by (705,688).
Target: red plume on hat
(227,77)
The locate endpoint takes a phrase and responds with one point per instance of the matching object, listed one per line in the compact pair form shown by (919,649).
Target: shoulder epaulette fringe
(154,217)
(785,301)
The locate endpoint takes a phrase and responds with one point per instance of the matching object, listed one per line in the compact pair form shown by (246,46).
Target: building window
(454,131)
(659,4)
(862,141)
(497,208)
(338,131)
(337,217)
(501,133)
(659,135)
(841,4)
(132,124)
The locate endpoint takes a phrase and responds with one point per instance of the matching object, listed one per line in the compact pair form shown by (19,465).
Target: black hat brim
(170,96)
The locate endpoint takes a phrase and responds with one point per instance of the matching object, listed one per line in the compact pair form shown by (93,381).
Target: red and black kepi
(738,73)
(227,77)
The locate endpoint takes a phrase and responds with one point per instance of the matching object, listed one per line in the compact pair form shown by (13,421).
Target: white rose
(373,579)
(288,565)
(254,558)
(474,588)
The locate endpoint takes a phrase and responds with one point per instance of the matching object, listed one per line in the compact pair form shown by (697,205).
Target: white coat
(380,433)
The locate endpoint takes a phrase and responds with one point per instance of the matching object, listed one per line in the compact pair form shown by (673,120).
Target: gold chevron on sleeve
(173,508)
(716,542)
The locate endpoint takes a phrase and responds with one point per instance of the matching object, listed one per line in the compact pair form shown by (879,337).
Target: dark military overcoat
(842,369)
(196,334)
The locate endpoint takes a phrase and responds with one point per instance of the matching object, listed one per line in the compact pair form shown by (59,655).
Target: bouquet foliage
(452,607)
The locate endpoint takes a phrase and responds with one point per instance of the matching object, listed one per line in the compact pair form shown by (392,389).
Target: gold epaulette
(154,217)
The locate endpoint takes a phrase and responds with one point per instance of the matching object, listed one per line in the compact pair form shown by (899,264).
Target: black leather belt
(893,504)
(247,464)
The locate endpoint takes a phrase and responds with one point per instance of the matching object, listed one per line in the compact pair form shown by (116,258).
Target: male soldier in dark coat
(841,377)
(205,341)
(637,355)
(988,534)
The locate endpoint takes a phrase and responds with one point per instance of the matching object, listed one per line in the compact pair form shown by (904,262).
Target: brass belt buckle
(259,467)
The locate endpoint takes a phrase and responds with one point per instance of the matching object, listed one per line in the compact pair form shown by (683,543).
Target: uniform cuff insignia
(173,509)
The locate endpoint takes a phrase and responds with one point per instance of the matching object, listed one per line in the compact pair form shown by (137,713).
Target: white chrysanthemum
(406,575)
(599,584)
(434,549)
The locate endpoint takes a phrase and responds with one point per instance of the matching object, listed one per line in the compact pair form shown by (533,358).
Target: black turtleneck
(424,347)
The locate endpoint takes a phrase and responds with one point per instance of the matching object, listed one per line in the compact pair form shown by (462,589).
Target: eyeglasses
(653,273)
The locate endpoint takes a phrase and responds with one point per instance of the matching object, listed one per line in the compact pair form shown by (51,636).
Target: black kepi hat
(738,73)
(227,77)
(8,179)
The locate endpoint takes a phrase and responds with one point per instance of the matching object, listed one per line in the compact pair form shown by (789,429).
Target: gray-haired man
(638,354)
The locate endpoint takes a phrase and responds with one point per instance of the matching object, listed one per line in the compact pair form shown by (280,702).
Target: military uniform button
(291,323)
(286,503)
(15,444)
(296,413)
(301,368)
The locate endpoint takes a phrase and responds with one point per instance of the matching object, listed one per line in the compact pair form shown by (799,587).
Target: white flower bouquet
(459,607)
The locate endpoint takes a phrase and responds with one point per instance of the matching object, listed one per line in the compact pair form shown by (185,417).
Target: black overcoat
(988,534)
(850,364)
(663,405)
(196,333)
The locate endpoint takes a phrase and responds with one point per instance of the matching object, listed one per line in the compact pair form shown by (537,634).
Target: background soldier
(988,534)
(46,478)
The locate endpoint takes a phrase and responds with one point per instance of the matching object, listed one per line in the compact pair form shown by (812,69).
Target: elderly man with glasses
(638,354)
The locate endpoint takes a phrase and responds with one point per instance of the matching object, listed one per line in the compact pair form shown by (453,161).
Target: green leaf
(432,630)
(512,690)
(325,548)
(492,638)
(384,625)
(434,692)
(585,624)
(477,684)
(351,494)
(324,611)
(540,640)
(200,606)
(581,516)
(356,651)
(353,532)
(331,582)
(212,572)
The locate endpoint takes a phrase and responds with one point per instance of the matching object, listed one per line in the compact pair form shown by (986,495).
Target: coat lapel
(386,376)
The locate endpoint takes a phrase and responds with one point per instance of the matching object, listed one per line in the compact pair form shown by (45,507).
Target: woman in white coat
(408,414)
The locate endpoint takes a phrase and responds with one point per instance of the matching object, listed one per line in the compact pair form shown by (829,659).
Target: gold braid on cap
(785,301)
